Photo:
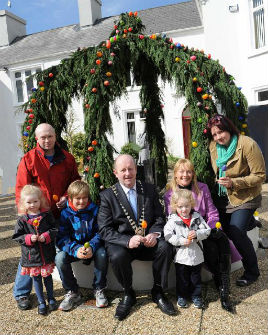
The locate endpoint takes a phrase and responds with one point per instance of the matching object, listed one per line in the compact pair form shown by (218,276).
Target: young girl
(185,229)
(35,231)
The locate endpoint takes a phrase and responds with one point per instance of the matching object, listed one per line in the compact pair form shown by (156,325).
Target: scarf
(224,154)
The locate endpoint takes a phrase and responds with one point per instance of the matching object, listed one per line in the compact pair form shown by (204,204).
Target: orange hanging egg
(94,90)
(33,101)
(90,149)
(108,74)
(144,224)
(106,83)
(96,175)
(94,142)
(98,61)
(99,53)
(55,197)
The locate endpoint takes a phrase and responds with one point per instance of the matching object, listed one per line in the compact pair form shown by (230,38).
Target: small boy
(78,225)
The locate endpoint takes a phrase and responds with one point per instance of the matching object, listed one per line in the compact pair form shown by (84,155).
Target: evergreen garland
(100,75)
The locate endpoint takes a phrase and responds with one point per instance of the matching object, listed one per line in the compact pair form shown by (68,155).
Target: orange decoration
(130,13)
(87,105)
(205,96)
(144,224)
(135,14)
(108,74)
(50,74)
(108,44)
(90,149)
(86,169)
(99,53)
(96,175)
(106,83)
(94,142)
(98,61)
(94,90)
(33,101)
(55,197)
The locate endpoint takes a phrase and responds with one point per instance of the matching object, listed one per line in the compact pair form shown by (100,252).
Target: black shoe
(163,303)
(242,281)
(52,305)
(23,303)
(42,309)
(124,306)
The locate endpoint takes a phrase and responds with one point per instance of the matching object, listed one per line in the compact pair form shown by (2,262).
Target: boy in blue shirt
(79,226)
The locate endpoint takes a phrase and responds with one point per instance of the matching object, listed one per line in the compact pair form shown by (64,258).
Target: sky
(48,14)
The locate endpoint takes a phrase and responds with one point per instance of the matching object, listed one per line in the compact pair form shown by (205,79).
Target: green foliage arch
(100,75)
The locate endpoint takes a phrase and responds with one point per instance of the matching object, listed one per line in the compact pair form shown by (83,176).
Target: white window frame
(137,120)
(23,77)
(258,90)
(263,6)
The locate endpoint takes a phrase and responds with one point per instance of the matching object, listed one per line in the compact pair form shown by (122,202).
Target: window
(131,127)
(261,96)
(258,23)
(24,84)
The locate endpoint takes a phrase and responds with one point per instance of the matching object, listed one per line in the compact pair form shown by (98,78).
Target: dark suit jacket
(114,226)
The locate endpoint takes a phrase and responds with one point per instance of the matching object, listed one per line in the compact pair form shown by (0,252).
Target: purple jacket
(205,206)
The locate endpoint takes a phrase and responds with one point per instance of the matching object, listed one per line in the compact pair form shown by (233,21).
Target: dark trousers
(121,258)
(216,249)
(236,225)
(188,280)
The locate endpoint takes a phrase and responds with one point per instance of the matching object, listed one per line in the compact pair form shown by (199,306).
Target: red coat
(53,178)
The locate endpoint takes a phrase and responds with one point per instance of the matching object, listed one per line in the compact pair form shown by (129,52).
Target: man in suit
(124,207)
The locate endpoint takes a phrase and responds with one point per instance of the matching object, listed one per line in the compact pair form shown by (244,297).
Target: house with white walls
(235,32)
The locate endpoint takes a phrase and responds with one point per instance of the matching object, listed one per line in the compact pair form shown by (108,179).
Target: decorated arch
(100,75)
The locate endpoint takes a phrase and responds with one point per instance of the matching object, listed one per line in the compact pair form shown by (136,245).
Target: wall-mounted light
(233,8)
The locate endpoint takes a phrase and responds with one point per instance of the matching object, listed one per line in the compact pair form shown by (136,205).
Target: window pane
(258,17)
(263,96)
(142,115)
(131,132)
(29,86)
(19,90)
(257,3)
(17,74)
(28,73)
(130,116)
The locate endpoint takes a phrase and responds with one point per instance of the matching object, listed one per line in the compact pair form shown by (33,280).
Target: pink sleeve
(28,239)
(47,237)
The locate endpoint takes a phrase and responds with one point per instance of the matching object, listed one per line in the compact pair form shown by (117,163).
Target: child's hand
(84,253)
(34,238)
(187,242)
(41,238)
(191,235)
(89,252)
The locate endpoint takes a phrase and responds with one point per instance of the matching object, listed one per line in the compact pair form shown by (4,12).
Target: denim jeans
(63,262)
(22,286)
(236,225)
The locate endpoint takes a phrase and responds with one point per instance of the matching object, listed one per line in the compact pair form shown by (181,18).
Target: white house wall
(229,38)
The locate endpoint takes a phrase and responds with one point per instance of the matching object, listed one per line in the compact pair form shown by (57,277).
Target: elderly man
(125,207)
(52,169)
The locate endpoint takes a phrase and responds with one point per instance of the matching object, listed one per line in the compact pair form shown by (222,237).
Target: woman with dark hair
(240,171)
(219,252)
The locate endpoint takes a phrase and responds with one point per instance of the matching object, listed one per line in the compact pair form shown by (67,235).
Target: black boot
(225,265)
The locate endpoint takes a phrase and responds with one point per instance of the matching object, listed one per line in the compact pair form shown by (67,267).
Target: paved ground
(251,303)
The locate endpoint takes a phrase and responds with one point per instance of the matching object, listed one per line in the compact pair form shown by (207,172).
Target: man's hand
(135,241)
(61,203)
(84,253)
(150,240)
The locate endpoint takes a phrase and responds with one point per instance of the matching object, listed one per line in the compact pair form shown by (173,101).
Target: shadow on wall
(258,123)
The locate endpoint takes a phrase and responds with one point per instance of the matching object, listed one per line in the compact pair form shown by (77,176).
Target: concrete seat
(142,272)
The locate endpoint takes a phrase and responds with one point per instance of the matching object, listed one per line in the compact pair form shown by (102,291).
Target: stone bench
(142,272)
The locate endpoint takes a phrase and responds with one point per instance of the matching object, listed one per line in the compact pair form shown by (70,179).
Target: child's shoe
(52,305)
(182,303)
(198,303)
(42,309)
(101,300)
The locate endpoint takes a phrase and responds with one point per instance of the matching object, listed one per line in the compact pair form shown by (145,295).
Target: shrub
(132,149)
